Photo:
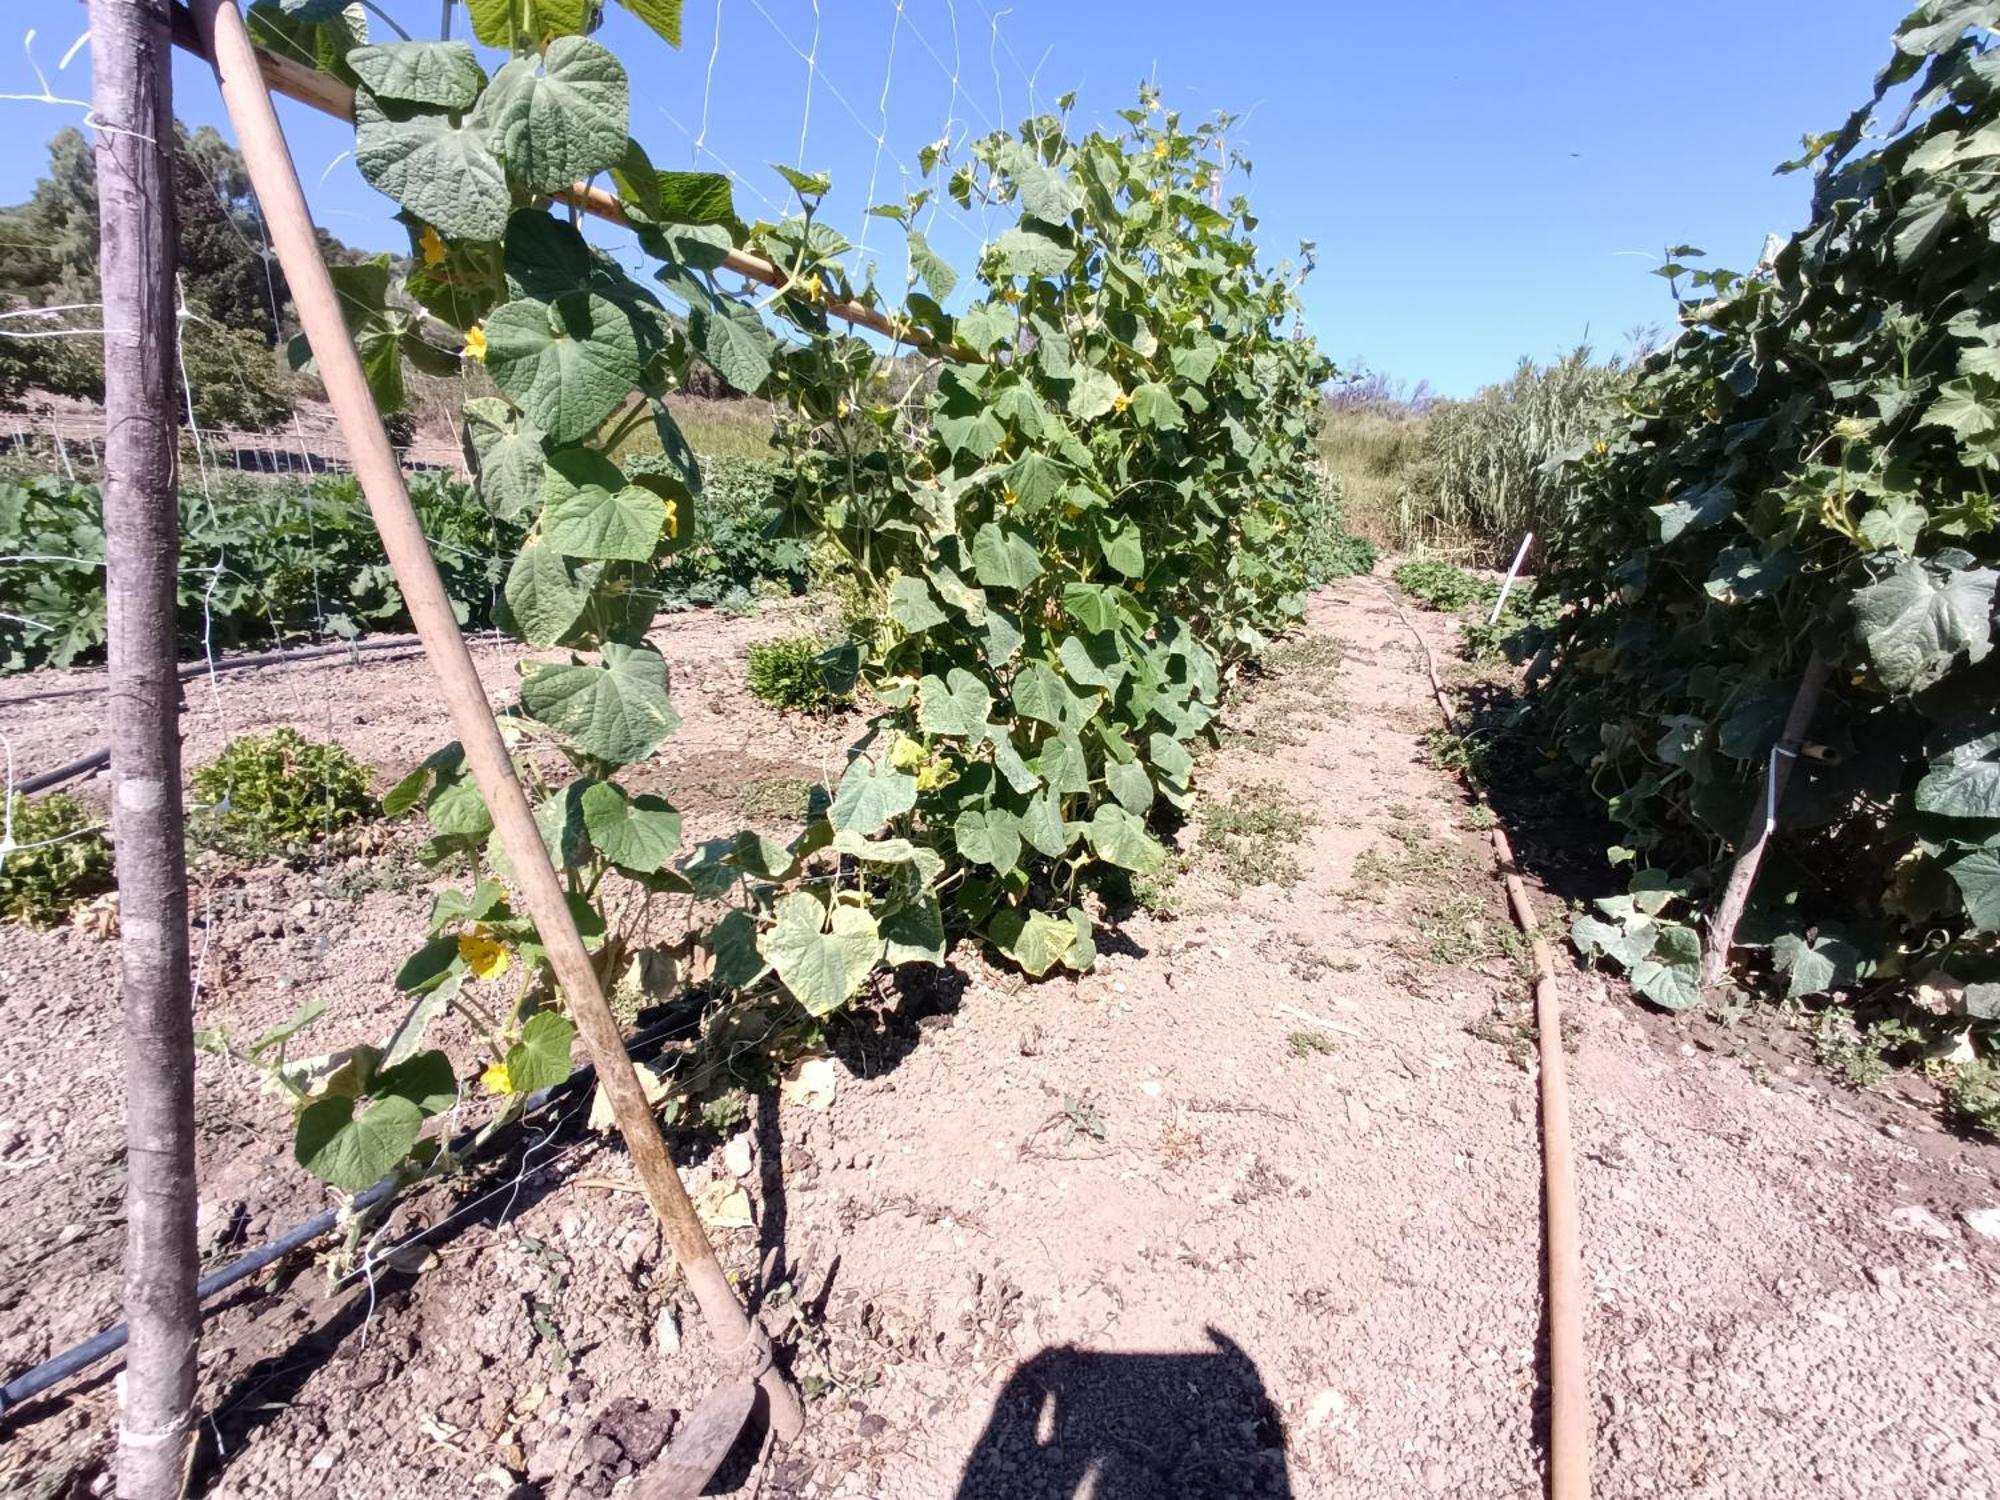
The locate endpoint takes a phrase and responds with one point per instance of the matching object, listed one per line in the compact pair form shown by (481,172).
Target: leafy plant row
(1808,472)
(263,563)
(1063,536)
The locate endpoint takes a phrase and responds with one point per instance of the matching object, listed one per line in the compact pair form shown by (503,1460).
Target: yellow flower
(1120,401)
(673,519)
(432,246)
(1159,196)
(1009,499)
(1139,587)
(475,343)
(496,1079)
(813,287)
(1159,150)
(487,958)
(843,408)
(1011,294)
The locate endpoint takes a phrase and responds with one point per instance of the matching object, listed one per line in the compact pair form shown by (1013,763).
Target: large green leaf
(1004,558)
(541,1058)
(927,263)
(568,365)
(593,513)
(559,119)
(1091,395)
(869,796)
(823,962)
(618,712)
(1964,782)
(1154,406)
(914,933)
(639,833)
(508,456)
(989,836)
(439,171)
(444,74)
(1977,875)
(1023,252)
(1121,839)
(1918,620)
(544,597)
(732,338)
(911,605)
(956,705)
(1040,694)
(664,16)
(355,1151)
(1034,940)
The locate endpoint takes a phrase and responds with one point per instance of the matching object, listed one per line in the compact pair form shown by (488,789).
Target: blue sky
(1482,181)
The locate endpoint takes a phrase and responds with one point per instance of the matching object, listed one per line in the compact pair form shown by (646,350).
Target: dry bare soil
(1250,1210)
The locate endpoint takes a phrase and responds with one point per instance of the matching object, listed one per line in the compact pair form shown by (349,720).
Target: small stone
(1983,1221)
(736,1160)
(873,1425)
(667,1330)
(1911,1218)
(1885,1278)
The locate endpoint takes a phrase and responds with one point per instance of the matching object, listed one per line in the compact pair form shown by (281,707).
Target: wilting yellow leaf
(723,1205)
(813,1083)
(601,1117)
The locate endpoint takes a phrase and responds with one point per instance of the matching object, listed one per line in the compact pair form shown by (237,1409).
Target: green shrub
(793,673)
(1327,550)
(55,857)
(274,793)
(1973,1096)
(1440,585)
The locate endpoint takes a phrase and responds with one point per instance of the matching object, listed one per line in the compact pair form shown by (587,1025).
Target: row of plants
(1802,488)
(1058,537)
(268,562)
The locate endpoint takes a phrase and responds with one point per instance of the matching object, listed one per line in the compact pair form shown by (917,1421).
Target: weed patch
(273,794)
(1249,838)
(56,859)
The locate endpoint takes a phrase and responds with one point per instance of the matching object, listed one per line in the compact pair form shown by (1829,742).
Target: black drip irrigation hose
(72,1361)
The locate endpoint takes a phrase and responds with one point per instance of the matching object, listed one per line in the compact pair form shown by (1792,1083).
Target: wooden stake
(1763,820)
(267,159)
(132,105)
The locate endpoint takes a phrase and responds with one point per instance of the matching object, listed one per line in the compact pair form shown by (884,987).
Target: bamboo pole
(132,108)
(328,95)
(226,41)
(1763,821)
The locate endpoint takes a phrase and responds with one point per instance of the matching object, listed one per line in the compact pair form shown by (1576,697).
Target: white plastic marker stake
(1512,573)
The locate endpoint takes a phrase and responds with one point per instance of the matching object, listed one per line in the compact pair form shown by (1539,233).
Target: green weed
(270,794)
(1439,585)
(1249,837)
(791,673)
(58,859)
(1309,1043)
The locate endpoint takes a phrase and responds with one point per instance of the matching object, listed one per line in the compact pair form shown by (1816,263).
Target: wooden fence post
(132,81)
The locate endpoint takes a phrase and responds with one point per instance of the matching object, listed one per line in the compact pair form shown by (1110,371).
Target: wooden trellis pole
(225,40)
(132,104)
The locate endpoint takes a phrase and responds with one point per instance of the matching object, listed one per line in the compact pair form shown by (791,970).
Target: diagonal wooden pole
(132,106)
(274,178)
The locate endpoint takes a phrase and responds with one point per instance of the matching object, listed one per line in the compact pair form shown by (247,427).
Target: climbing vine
(1072,517)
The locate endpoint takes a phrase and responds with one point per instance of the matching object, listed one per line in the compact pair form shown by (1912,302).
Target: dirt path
(1252,1209)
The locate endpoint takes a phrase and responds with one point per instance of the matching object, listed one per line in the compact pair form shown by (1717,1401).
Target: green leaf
(567,365)
(617,712)
(732,338)
(507,456)
(1046,194)
(559,119)
(956,706)
(1814,966)
(1042,695)
(430,966)
(805,184)
(1091,395)
(1694,510)
(733,941)
(1977,876)
(914,934)
(544,597)
(869,796)
(1969,406)
(444,74)
(1034,940)
(1895,525)
(355,1151)
(973,431)
(1964,782)
(1119,541)
(1671,976)
(990,836)
(593,513)
(1092,660)
(1154,406)
(1044,830)
(938,276)
(822,968)
(1001,637)
(1022,252)
(1918,620)
(1121,839)
(1003,558)
(1128,782)
(1091,606)
(439,171)
(664,16)
(540,1059)
(635,833)
(425,1079)
(695,198)
(911,605)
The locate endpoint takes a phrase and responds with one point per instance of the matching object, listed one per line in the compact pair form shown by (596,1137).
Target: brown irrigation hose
(268,162)
(1569,1386)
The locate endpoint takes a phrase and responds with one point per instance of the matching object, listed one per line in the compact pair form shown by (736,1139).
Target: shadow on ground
(1074,1422)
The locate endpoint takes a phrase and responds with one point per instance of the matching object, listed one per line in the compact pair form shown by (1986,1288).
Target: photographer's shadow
(1077,1425)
